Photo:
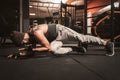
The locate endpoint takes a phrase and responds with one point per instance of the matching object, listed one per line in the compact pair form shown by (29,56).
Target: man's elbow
(48,48)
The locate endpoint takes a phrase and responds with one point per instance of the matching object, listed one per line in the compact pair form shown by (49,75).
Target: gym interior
(98,18)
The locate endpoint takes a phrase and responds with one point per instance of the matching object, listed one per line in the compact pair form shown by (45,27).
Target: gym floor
(93,65)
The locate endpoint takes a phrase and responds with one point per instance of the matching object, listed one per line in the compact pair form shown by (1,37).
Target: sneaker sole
(113,53)
(84,50)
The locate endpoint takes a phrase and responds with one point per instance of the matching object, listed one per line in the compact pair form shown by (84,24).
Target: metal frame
(73,11)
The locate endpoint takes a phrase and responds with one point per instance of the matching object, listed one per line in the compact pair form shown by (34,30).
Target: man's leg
(69,34)
(92,39)
(66,33)
(56,47)
(108,45)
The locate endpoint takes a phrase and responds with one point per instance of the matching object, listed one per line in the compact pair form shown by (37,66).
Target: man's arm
(43,40)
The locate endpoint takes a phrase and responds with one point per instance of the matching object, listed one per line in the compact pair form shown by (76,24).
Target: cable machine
(70,17)
(108,31)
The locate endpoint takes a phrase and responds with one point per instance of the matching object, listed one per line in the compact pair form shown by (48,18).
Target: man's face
(25,41)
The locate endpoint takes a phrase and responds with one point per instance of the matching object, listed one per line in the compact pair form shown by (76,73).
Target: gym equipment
(102,25)
(69,16)
(106,23)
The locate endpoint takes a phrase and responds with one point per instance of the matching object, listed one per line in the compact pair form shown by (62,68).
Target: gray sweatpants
(65,33)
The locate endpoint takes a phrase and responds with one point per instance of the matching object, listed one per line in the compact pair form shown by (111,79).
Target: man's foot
(110,49)
(82,49)
(85,45)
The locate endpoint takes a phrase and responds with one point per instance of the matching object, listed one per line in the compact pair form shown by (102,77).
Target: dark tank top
(51,33)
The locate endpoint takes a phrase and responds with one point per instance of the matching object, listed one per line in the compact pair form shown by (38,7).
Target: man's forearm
(41,49)
(21,49)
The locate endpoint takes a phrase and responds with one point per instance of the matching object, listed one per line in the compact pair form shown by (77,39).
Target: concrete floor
(93,65)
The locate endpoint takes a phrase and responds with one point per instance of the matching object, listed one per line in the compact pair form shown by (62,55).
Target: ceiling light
(30,6)
(77,2)
(58,1)
(32,14)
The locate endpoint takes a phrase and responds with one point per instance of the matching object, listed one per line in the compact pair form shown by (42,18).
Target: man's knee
(56,45)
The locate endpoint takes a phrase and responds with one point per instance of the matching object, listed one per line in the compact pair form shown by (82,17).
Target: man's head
(17,37)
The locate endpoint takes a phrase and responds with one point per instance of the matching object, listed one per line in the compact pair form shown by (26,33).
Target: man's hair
(17,37)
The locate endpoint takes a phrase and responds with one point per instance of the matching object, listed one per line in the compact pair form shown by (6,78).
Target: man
(50,36)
